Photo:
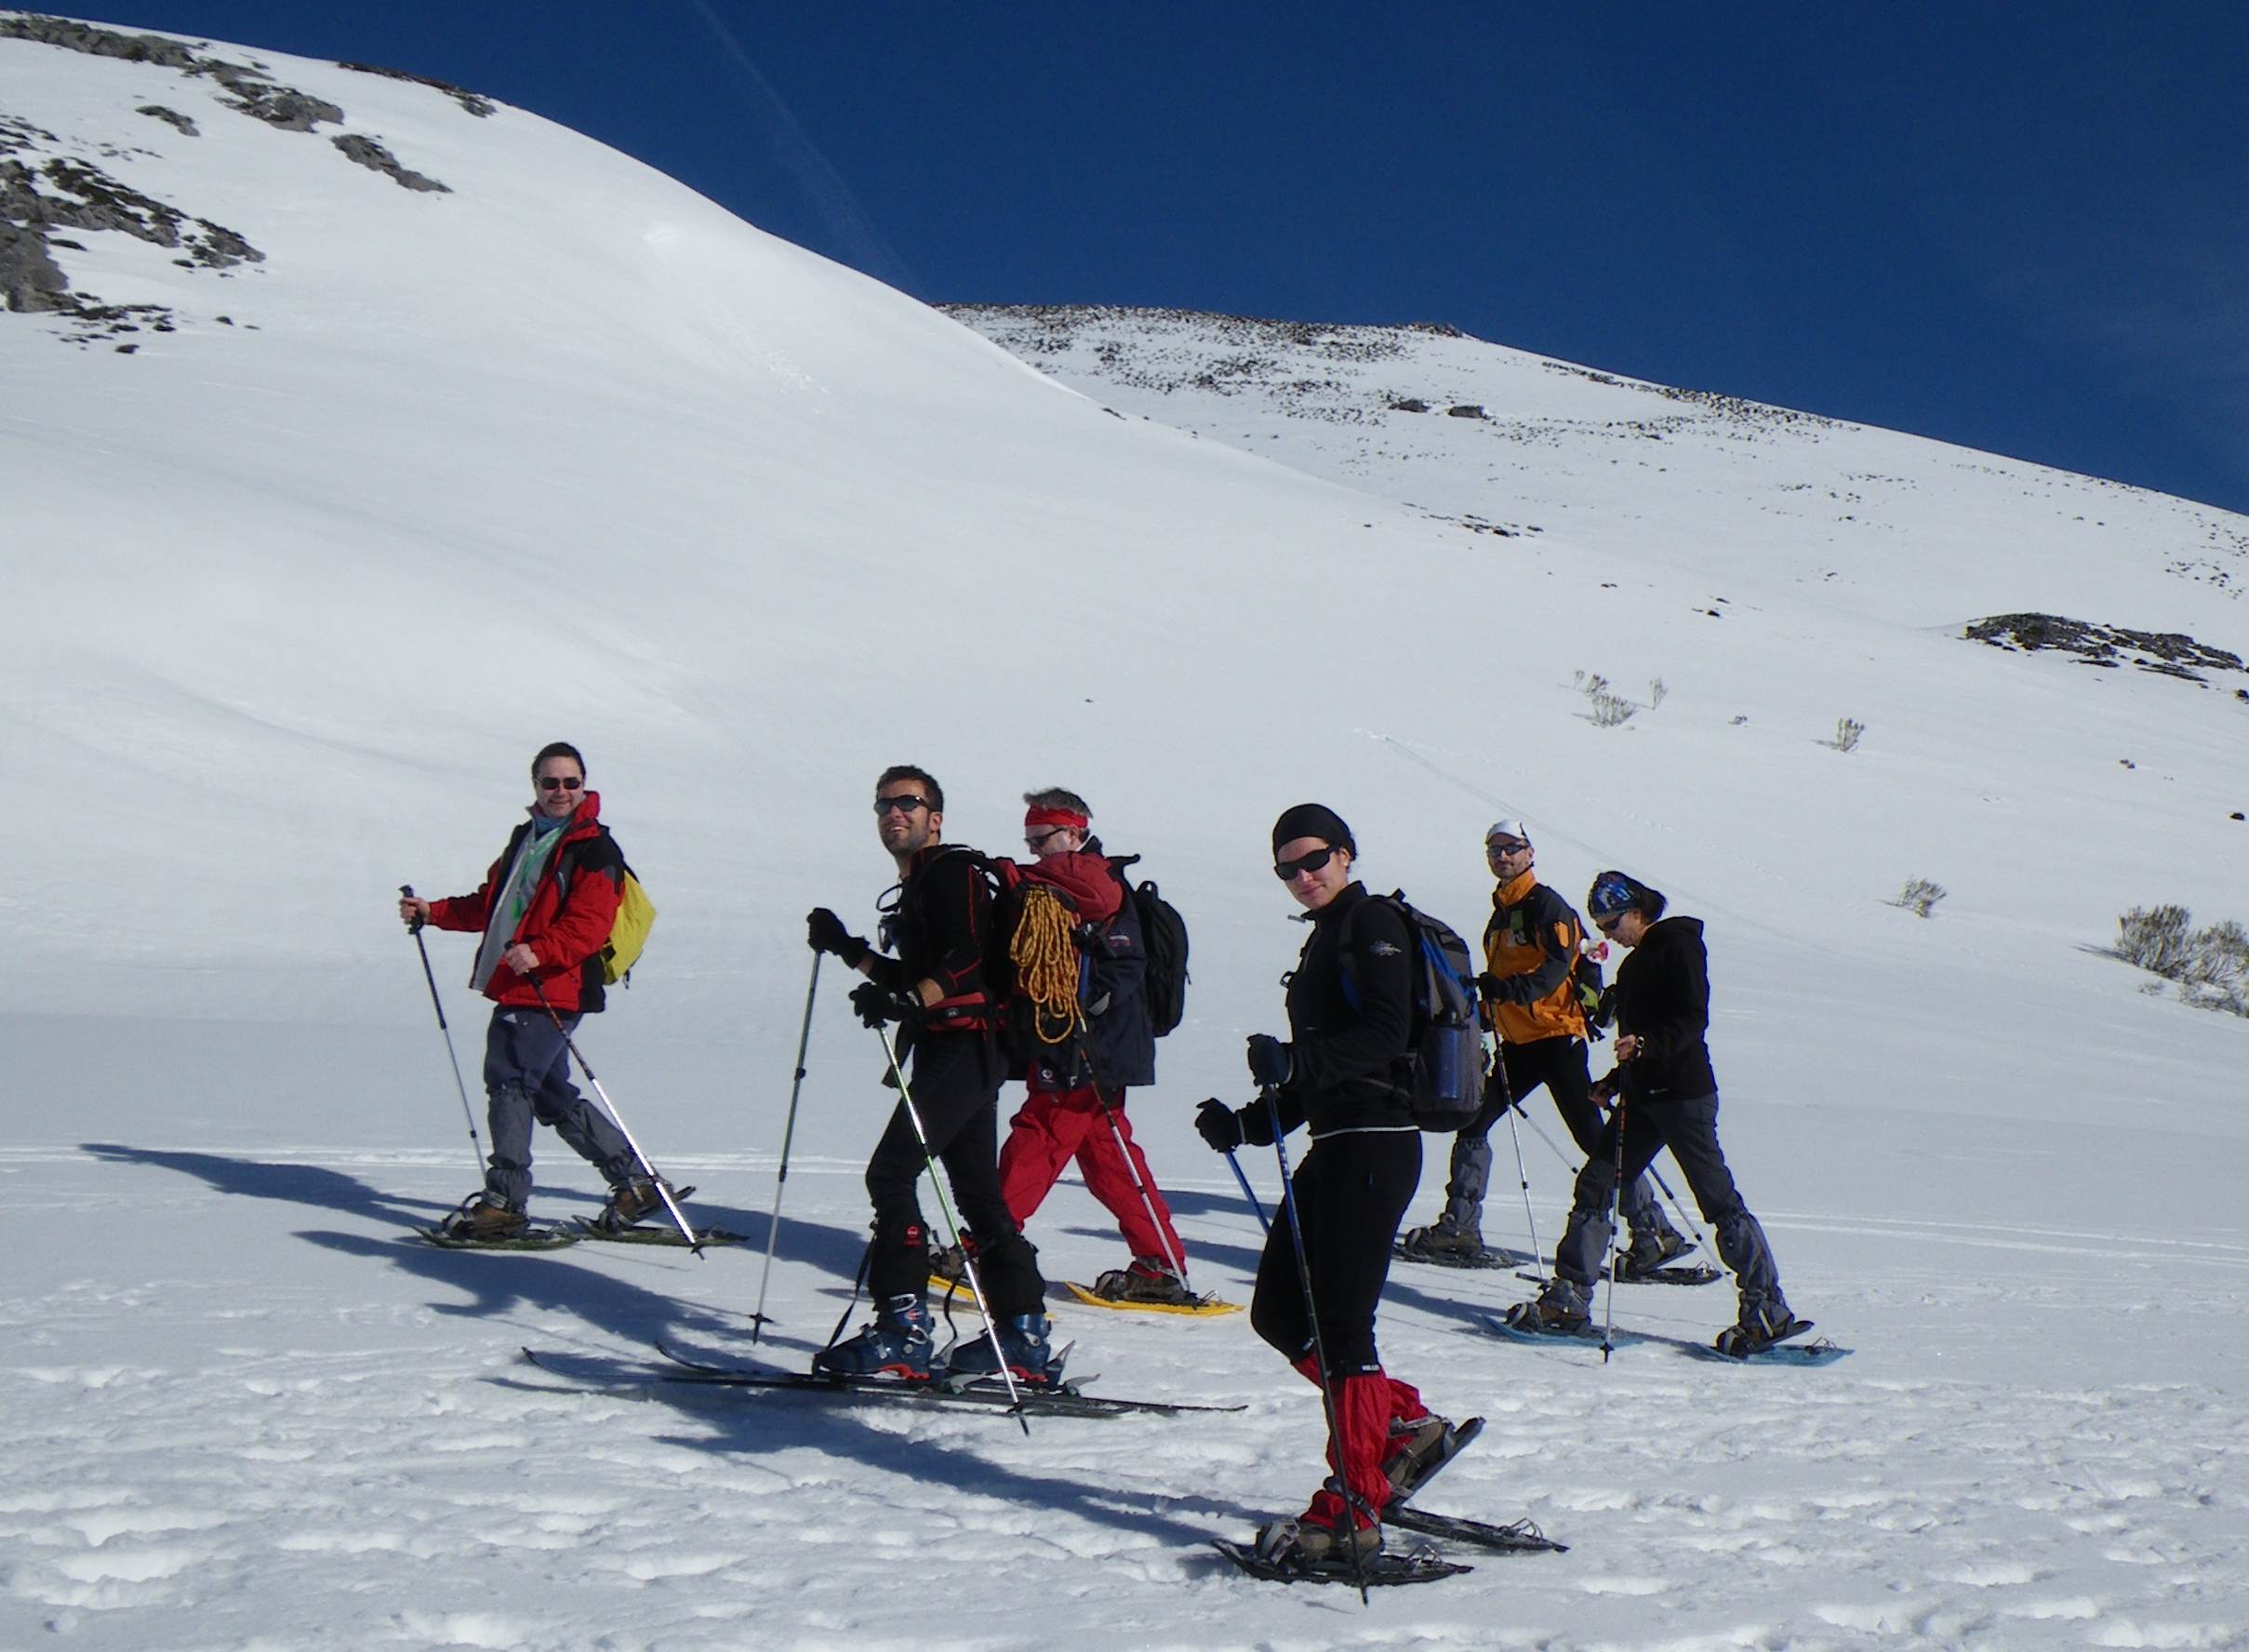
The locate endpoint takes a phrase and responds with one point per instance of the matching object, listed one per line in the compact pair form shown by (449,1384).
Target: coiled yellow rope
(1045,962)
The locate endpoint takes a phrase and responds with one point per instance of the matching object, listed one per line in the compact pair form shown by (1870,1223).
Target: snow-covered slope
(300,572)
(1869,522)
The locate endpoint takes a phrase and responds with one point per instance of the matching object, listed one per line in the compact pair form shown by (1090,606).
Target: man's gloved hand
(1217,1124)
(1494,988)
(824,932)
(877,1004)
(1271,1062)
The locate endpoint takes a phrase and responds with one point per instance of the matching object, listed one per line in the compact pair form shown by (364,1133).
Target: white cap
(1512,828)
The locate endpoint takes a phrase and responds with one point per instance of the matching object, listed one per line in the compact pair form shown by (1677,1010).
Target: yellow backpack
(628,935)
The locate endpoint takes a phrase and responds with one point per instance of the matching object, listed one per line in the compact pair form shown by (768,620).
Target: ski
(529,1239)
(1418,1565)
(1064,1399)
(1489,1256)
(1204,1306)
(1520,1538)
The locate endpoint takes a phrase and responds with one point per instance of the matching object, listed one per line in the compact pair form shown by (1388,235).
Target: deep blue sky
(2022,227)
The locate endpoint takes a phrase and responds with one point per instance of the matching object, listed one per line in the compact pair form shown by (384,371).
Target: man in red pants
(1076,1106)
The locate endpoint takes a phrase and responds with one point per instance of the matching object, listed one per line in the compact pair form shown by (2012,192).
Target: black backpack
(1599,1004)
(1163,938)
(1442,1074)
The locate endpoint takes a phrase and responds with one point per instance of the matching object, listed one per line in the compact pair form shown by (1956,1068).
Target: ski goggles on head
(1612,896)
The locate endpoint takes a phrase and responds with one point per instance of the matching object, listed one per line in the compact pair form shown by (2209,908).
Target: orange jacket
(1530,944)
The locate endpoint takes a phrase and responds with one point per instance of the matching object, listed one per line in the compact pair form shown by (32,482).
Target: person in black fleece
(1338,1073)
(1669,1098)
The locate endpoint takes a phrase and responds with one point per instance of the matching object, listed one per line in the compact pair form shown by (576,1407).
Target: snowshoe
(1650,1252)
(1307,1543)
(1146,1283)
(1419,1451)
(629,1201)
(1762,1323)
(1446,1239)
(483,1218)
(1023,1340)
(1421,1563)
(1558,1311)
(895,1344)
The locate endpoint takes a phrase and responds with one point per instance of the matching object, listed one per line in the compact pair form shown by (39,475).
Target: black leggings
(1351,1193)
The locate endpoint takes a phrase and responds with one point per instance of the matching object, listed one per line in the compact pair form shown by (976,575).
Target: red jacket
(568,921)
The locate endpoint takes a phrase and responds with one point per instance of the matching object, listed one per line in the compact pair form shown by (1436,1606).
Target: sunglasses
(1035,841)
(1286,869)
(559,782)
(1497,849)
(1609,925)
(904,806)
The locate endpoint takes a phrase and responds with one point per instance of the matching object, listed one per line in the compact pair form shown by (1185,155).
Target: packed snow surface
(296,586)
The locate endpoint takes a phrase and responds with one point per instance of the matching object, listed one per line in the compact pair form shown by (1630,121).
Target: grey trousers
(1690,1129)
(527,1079)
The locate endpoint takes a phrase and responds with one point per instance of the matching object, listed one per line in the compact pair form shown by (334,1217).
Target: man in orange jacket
(1531,1003)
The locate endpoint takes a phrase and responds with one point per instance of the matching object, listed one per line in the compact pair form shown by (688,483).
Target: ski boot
(1762,1322)
(485,1218)
(1558,1311)
(1650,1250)
(628,1200)
(1446,1239)
(1022,1340)
(895,1344)
(1147,1280)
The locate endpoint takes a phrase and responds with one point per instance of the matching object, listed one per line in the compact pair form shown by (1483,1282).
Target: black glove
(1494,988)
(1271,1062)
(1218,1125)
(824,932)
(877,1005)
(1497,1095)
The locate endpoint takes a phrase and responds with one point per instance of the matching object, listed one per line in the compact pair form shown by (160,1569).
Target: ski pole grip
(405,892)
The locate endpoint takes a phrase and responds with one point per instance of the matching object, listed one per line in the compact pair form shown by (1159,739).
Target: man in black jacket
(940,928)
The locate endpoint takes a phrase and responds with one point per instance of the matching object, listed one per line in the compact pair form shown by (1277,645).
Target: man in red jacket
(545,910)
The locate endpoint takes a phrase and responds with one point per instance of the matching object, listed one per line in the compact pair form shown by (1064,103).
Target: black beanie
(1314,819)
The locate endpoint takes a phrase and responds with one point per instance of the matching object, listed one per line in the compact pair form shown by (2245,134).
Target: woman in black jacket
(1670,1098)
(1349,1019)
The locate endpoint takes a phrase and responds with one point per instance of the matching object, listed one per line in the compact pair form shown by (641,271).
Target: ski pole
(662,1191)
(952,1228)
(1608,1324)
(1235,1165)
(1678,1209)
(430,975)
(1319,1347)
(1523,1176)
(1176,1262)
(796,1087)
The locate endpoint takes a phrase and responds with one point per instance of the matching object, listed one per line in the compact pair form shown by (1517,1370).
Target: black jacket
(940,929)
(1663,997)
(1346,1053)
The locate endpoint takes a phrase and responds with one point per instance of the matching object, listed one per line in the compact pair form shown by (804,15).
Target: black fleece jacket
(1345,1053)
(1663,997)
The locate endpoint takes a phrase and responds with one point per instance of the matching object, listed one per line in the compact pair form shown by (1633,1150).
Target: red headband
(1040,815)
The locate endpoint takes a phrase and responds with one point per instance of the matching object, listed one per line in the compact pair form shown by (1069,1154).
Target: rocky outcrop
(375,158)
(2169,653)
(474,103)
